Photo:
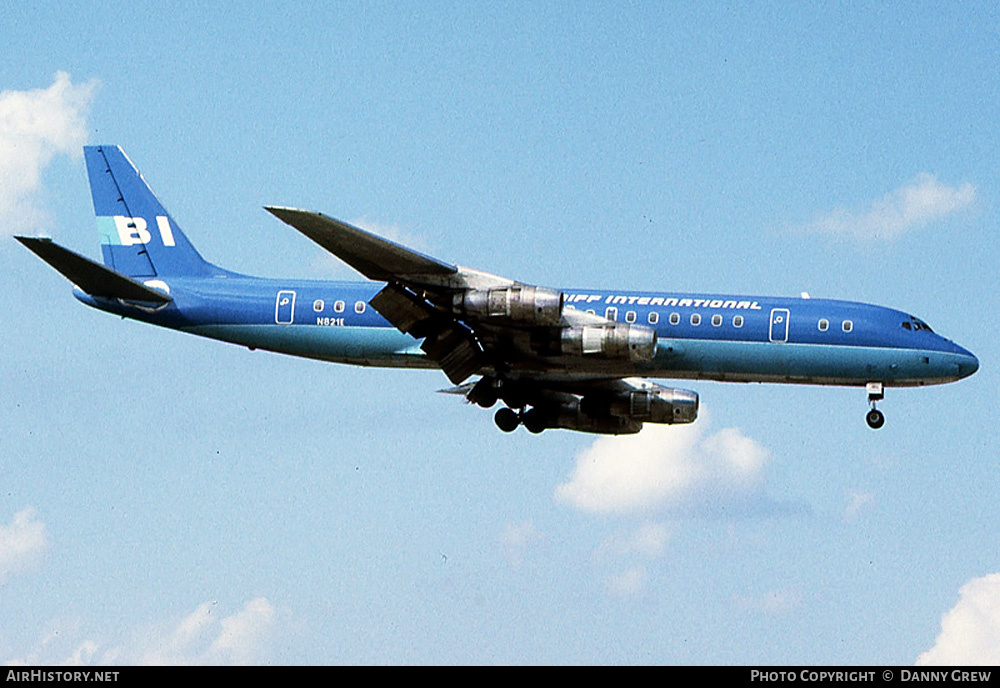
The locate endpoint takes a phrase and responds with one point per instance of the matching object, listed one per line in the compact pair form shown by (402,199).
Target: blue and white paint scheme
(556,358)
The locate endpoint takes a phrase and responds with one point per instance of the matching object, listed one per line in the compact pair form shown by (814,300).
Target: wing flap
(398,306)
(457,351)
(453,345)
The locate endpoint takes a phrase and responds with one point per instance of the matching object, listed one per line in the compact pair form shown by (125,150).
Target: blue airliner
(577,359)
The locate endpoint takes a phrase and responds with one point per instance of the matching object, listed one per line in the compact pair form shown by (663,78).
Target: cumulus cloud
(36,126)
(21,543)
(860,503)
(970,631)
(517,538)
(914,205)
(649,539)
(647,542)
(60,645)
(205,638)
(629,583)
(668,467)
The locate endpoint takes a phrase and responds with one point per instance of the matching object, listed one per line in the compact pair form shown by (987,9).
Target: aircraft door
(284,308)
(779,325)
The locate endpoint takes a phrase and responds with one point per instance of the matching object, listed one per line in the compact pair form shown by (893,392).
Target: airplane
(576,359)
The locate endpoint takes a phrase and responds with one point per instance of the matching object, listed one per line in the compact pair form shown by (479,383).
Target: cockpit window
(916,325)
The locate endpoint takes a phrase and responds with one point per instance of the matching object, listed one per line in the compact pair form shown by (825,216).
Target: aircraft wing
(472,321)
(374,257)
(419,289)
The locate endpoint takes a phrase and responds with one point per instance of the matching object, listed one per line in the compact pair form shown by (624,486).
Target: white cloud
(35,126)
(649,540)
(914,205)
(970,631)
(667,467)
(630,583)
(21,543)
(860,503)
(516,538)
(242,635)
(203,637)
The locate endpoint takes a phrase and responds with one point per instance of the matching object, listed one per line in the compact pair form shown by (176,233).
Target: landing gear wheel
(875,419)
(533,421)
(506,419)
(484,393)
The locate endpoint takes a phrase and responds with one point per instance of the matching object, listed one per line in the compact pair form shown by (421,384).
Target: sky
(166,499)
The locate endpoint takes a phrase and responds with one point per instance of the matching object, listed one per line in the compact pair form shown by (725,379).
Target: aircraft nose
(965,361)
(967,364)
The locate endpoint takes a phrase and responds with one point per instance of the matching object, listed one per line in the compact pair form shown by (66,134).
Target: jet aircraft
(568,358)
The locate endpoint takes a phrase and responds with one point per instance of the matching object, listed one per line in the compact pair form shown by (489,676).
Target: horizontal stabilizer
(91,277)
(374,257)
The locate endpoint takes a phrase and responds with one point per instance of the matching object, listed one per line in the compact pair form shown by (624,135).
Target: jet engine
(617,413)
(617,340)
(654,405)
(568,415)
(523,305)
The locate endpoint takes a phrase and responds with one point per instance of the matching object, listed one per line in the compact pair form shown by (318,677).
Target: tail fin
(138,236)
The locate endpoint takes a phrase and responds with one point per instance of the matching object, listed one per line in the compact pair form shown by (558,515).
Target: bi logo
(133,230)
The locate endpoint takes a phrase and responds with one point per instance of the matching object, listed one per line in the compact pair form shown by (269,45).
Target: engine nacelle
(617,340)
(569,416)
(524,305)
(620,413)
(655,405)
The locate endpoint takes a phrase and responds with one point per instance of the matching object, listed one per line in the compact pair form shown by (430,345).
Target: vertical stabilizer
(138,236)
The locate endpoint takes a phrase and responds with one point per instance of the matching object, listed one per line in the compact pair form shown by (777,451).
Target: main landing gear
(515,412)
(489,390)
(874,417)
(507,419)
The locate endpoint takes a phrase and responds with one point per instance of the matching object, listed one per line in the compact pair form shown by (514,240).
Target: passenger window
(338,307)
(653,317)
(737,321)
(611,314)
(716,320)
(318,305)
(359,307)
(675,318)
(696,319)
(824,325)
(630,316)
(848,326)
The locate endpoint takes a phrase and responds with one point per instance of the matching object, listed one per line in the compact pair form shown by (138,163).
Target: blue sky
(165,499)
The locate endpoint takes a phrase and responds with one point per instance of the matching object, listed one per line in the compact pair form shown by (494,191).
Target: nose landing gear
(874,417)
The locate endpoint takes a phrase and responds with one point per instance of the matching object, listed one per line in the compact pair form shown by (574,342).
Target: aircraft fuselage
(708,337)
